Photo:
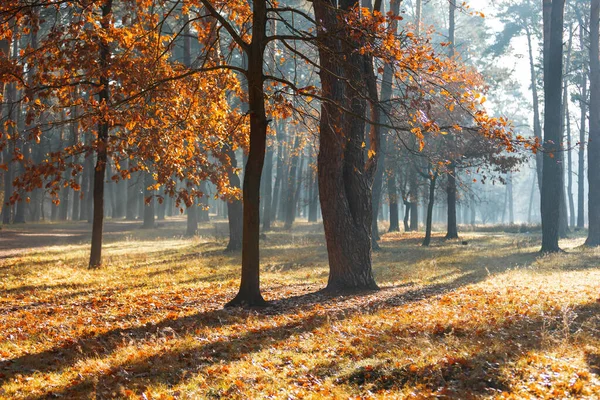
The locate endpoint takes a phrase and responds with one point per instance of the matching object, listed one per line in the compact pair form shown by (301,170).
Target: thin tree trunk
(570,171)
(393,197)
(75,211)
(268,190)
(279,173)
(132,188)
(9,148)
(149,202)
(529,213)
(537,126)
(511,207)
(235,212)
(313,199)
(120,195)
(452,230)
(413,197)
(102,148)
(583,121)
(203,209)
(432,180)
(384,111)
(290,203)
(563,229)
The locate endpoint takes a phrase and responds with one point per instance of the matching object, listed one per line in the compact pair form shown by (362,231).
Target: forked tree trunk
(593,238)
(344,178)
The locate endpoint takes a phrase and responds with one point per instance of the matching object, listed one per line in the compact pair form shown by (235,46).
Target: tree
(552,146)
(593,238)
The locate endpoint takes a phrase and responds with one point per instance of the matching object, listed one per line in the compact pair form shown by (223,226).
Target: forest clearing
(299,199)
(491,318)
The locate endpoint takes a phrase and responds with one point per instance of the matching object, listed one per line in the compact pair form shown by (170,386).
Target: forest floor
(486,319)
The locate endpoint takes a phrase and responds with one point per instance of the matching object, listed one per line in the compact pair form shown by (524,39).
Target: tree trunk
(432,180)
(88,170)
(511,207)
(393,197)
(249,292)
(593,238)
(569,168)
(414,200)
(292,195)
(102,148)
(383,108)
(192,220)
(563,229)
(203,209)
(268,190)
(452,232)
(149,202)
(279,173)
(11,97)
(120,191)
(345,178)
(552,174)
(161,207)
(529,213)
(235,212)
(313,196)
(583,121)
(132,189)
(75,211)
(537,126)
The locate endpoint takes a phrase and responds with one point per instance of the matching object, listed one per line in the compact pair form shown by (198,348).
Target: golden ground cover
(490,319)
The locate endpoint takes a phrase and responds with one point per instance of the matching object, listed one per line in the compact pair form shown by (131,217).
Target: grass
(491,319)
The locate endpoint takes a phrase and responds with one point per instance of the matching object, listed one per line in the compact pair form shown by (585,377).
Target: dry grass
(487,320)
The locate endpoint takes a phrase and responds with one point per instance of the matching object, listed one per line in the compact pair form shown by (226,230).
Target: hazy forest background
(300,199)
